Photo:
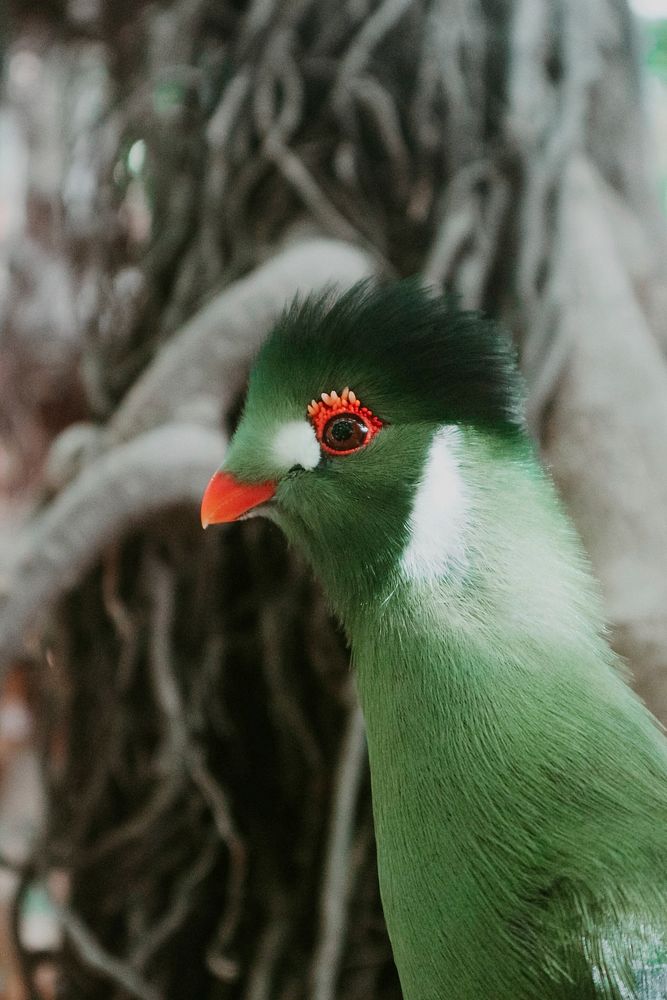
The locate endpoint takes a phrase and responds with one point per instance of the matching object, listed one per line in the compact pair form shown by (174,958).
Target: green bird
(519,785)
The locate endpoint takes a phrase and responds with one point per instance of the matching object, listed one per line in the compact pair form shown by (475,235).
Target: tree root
(337,882)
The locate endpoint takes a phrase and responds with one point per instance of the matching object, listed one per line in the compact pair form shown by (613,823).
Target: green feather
(519,786)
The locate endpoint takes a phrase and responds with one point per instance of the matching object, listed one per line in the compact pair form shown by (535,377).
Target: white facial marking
(295,444)
(438,519)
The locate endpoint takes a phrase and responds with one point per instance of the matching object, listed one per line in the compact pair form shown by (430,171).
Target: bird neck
(440,655)
(453,672)
(469,732)
(493,564)
(484,690)
(425,667)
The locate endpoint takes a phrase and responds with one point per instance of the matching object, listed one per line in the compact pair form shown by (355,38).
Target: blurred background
(184,803)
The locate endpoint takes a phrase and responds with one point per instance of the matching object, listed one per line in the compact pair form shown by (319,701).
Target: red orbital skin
(331,404)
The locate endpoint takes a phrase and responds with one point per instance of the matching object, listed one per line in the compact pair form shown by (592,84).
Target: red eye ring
(337,435)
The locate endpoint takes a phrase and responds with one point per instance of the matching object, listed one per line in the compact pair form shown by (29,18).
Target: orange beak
(226,499)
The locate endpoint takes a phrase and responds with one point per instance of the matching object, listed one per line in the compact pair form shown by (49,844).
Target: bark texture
(192,165)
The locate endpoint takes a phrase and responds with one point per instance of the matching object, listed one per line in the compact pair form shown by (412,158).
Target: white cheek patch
(439,514)
(295,444)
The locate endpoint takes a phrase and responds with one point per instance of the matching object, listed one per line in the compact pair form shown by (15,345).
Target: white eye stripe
(295,444)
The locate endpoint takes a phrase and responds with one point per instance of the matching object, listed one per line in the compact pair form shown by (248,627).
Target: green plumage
(519,786)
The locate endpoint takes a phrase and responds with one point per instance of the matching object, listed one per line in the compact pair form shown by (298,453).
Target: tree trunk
(192,166)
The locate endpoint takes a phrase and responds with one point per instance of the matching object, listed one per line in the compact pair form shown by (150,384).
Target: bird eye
(346,432)
(342,424)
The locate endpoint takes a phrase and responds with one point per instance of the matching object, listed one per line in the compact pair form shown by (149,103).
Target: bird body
(519,786)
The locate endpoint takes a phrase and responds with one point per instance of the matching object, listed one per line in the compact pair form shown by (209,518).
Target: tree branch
(605,432)
(95,957)
(337,883)
(201,371)
(160,469)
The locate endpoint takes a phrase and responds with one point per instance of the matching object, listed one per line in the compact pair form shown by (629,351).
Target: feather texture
(519,786)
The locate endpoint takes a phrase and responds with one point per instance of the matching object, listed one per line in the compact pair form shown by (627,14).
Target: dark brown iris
(344,433)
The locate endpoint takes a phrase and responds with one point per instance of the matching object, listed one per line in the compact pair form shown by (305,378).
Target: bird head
(350,403)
